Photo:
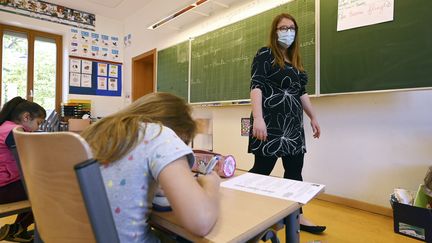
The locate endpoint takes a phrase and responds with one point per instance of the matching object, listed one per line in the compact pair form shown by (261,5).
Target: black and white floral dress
(281,104)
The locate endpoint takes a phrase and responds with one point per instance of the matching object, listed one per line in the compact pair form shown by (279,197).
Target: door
(143,74)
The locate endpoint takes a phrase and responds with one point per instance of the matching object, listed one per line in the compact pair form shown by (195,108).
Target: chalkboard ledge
(222,103)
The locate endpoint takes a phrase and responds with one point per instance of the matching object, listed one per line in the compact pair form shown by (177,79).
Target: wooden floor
(348,225)
(344,225)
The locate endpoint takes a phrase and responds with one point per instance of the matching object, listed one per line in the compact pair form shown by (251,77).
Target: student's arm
(195,201)
(307,107)
(10,141)
(259,127)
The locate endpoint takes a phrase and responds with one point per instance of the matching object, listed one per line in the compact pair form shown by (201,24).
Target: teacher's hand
(259,129)
(315,128)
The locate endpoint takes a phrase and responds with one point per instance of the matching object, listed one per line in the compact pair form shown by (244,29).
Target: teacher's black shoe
(313,229)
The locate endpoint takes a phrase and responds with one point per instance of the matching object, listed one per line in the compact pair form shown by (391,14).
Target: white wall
(370,144)
(101,105)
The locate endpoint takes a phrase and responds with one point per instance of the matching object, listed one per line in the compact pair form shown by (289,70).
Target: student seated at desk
(145,145)
(17,112)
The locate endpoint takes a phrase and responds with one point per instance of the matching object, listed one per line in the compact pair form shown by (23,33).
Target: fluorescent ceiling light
(176,14)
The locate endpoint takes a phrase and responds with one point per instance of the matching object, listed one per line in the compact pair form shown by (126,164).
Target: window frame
(31,37)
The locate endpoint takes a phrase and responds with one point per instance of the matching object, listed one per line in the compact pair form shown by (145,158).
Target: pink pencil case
(206,161)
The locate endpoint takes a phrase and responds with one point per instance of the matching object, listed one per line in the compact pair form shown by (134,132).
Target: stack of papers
(297,191)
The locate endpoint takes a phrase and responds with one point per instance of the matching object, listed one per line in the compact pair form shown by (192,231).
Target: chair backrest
(47,161)
(96,201)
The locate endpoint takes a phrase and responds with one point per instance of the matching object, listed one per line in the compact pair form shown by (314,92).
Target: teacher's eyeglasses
(286,28)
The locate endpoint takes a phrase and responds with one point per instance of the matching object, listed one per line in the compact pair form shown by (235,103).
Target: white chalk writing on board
(358,13)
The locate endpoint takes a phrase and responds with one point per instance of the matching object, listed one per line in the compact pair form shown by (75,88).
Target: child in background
(144,146)
(27,115)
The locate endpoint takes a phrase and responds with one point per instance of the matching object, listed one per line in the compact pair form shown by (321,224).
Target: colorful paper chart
(95,78)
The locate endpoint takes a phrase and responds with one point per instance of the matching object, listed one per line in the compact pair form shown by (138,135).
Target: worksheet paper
(297,191)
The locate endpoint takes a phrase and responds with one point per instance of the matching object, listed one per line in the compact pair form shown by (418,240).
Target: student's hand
(210,180)
(187,194)
(315,128)
(259,129)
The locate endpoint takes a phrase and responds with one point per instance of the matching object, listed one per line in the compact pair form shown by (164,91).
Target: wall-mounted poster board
(87,44)
(91,77)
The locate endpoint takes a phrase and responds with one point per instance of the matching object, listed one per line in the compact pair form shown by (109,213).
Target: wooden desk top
(243,216)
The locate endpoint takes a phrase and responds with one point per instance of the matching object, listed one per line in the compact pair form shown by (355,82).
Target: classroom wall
(370,144)
(103,25)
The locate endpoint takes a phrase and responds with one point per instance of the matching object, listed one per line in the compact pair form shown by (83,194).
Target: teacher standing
(278,97)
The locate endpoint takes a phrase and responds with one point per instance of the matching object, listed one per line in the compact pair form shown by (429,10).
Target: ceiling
(116,9)
(122,9)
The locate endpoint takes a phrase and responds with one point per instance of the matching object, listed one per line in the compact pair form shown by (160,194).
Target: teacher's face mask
(285,39)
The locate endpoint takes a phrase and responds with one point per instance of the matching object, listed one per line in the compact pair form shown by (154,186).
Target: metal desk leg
(37,238)
(292,227)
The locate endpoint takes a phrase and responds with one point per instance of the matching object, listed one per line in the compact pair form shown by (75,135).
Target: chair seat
(14,208)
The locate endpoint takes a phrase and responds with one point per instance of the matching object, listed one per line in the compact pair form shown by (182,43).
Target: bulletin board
(91,77)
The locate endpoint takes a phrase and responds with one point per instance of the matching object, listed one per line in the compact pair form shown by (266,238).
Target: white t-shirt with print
(131,181)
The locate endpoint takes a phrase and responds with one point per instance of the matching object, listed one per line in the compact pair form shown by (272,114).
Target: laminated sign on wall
(84,43)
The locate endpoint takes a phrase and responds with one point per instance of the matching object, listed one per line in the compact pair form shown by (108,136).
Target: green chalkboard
(173,70)
(221,59)
(390,55)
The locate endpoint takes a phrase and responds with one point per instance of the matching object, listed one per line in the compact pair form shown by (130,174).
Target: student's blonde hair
(114,136)
(293,51)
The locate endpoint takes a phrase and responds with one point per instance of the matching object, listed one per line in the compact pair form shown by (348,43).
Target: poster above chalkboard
(358,13)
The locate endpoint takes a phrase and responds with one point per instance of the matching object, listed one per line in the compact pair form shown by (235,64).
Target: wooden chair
(9,209)
(61,215)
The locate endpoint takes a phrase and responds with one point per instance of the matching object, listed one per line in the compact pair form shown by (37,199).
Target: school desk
(243,215)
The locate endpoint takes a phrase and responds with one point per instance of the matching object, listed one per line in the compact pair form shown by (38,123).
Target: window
(31,66)
(14,65)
